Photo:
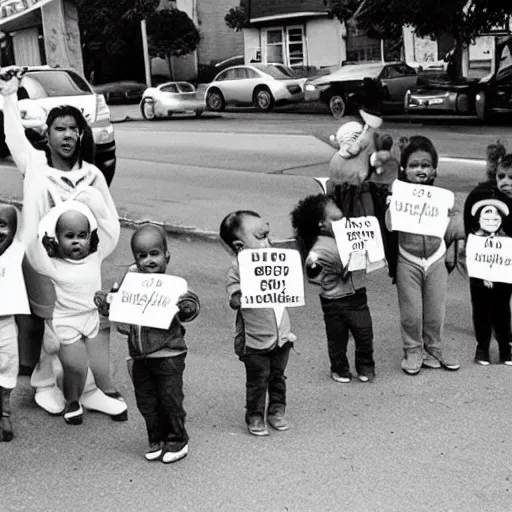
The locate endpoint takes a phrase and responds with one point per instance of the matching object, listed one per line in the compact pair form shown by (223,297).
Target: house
(35,32)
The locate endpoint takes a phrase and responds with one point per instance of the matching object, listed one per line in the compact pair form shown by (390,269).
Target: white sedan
(171,98)
(258,84)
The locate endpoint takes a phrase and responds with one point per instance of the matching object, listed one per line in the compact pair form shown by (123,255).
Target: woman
(50,177)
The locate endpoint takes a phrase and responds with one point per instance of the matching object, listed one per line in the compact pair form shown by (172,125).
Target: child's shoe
(73,413)
(411,363)
(507,362)
(445,362)
(430,362)
(155,451)
(51,400)
(122,416)
(170,456)
(96,400)
(343,377)
(366,374)
(278,421)
(482,357)
(256,426)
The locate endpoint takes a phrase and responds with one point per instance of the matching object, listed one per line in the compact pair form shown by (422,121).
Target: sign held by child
(420,209)
(271,277)
(147,299)
(489,258)
(359,242)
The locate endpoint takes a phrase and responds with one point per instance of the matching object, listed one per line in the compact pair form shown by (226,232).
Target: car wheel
(215,100)
(147,109)
(199,112)
(337,106)
(263,99)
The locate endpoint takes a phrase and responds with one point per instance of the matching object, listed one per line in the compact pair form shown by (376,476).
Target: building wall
(325,44)
(218,41)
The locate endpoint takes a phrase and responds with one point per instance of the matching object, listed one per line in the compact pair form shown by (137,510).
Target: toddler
(261,344)
(11,256)
(70,253)
(421,272)
(159,356)
(343,293)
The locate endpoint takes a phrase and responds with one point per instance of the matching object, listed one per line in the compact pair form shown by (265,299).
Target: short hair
(417,143)
(497,156)
(231,224)
(150,227)
(306,218)
(65,111)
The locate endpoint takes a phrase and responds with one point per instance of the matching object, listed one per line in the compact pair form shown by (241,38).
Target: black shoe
(73,414)
(366,374)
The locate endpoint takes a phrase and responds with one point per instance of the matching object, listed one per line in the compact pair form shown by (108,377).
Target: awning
(20,14)
(279,17)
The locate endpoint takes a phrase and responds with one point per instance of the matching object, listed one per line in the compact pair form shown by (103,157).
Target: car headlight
(310,87)
(103,134)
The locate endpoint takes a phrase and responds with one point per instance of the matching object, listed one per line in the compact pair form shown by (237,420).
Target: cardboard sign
(13,294)
(271,278)
(489,258)
(420,209)
(147,299)
(359,242)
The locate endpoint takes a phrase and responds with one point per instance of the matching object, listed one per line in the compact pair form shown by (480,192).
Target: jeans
(344,315)
(491,310)
(266,372)
(158,383)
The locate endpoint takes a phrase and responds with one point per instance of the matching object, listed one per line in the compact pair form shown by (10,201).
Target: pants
(265,372)
(491,310)
(8,352)
(158,383)
(422,303)
(344,315)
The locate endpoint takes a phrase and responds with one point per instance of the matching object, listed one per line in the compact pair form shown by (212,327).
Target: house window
(274,46)
(295,43)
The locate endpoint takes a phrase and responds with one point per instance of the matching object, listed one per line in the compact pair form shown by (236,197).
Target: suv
(44,87)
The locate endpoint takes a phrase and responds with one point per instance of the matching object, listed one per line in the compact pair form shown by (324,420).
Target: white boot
(51,399)
(96,400)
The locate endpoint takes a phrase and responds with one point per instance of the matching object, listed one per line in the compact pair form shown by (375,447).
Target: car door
(241,91)
(226,82)
(397,79)
(501,93)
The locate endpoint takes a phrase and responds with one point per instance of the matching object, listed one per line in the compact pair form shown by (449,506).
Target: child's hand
(50,245)
(189,306)
(100,301)
(235,302)
(10,79)
(488,284)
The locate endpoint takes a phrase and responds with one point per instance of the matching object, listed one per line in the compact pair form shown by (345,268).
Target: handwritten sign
(420,209)
(271,278)
(13,294)
(147,299)
(489,258)
(359,242)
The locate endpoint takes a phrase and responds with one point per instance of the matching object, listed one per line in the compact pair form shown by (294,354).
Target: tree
(462,19)
(171,33)
(237,18)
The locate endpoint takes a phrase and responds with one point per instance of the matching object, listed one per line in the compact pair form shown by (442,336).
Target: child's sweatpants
(422,303)
(8,352)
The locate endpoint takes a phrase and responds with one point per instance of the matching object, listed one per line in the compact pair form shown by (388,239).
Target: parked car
(121,92)
(43,88)
(263,86)
(382,84)
(171,98)
(485,97)
(208,72)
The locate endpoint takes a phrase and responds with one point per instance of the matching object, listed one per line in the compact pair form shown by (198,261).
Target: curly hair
(409,145)
(306,218)
(497,156)
(231,224)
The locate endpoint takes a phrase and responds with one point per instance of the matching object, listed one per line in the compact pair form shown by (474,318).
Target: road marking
(479,161)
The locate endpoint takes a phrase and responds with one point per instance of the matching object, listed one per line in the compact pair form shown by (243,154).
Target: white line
(479,161)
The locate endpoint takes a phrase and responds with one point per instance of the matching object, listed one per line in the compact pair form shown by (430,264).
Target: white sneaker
(508,363)
(169,457)
(50,399)
(341,378)
(96,400)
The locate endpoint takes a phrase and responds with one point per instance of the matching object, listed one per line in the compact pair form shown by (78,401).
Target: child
(491,301)
(159,356)
(261,344)
(11,276)
(343,293)
(421,273)
(70,253)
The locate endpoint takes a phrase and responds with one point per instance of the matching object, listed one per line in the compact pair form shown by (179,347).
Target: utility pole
(145,49)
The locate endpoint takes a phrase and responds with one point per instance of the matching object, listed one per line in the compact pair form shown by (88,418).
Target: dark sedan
(378,84)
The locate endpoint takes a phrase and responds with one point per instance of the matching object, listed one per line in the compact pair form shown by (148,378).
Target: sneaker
(168,457)
(430,362)
(50,399)
(411,363)
(257,427)
(155,451)
(482,357)
(482,362)
(73,413)
(344,377)
(278,421)
(122,416)
(449,365)
(366,374)
(507,362)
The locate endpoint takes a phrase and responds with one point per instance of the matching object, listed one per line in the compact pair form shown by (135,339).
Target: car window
(252,74)
(53,83)
(222,76)
(394,71)
(505,64)
(170,88)
(186,87)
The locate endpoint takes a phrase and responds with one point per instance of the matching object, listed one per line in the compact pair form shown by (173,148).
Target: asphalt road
(437,442)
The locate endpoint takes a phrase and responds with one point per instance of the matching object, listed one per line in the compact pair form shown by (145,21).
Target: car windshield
(53,83)
(273,71)
(358,71)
